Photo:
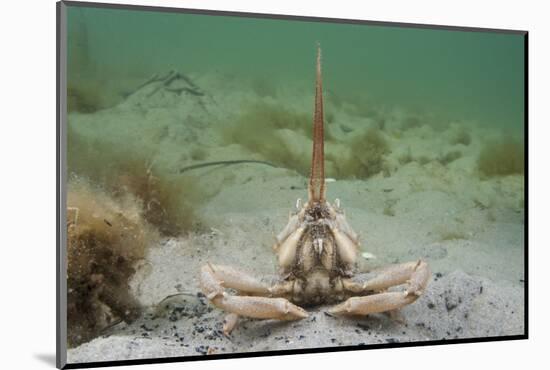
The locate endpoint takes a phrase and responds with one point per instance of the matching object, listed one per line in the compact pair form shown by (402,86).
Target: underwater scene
(240,184)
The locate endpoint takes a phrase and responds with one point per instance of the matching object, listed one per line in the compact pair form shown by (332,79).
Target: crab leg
(214,278)
(373,304)
(230,322)
(415,274)
(229,277)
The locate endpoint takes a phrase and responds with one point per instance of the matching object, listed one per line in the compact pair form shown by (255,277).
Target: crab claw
(295,312)
(261,307)
(373,304)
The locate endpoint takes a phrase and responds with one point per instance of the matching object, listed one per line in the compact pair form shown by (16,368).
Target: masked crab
(317,252)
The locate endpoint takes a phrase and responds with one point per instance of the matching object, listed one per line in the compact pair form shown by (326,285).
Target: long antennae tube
(317,177)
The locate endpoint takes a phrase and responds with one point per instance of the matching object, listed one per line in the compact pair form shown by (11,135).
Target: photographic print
(243,184)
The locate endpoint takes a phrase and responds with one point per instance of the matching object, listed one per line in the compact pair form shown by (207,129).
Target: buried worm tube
(224,163)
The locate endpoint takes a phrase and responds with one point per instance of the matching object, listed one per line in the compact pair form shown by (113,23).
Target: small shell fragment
(368,256)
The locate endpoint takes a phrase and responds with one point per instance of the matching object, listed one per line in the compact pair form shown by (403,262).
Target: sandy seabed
(469,229)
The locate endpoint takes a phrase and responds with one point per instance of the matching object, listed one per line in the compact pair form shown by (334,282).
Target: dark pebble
(144,327)
(202,349)
(450,306)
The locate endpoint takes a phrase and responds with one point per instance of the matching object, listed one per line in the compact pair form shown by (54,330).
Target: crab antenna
(316,188)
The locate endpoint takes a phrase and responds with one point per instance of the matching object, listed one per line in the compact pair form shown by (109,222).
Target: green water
(467,75)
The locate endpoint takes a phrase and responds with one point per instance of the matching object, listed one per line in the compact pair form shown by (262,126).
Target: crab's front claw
(373,303)
(260,307)
(213,280)
(415,275)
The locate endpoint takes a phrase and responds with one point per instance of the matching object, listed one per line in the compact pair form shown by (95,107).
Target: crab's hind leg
(415,274)
(215,278)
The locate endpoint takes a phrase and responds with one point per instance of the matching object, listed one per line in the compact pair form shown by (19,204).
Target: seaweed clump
(106,238)
(461,137)
(87,89)
(164,198)
(366,157)
(91,95)
(449,157)
(261,129)
(284,137)
(501,158)
(264,88)
(167,200)
(83,100)
(411,122)
(406,157)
